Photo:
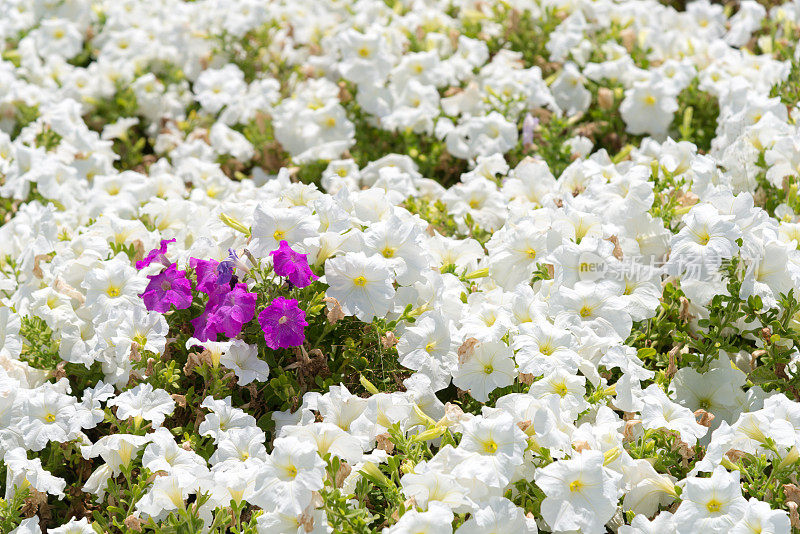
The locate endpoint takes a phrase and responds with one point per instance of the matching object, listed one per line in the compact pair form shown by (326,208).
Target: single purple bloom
(292,265)
(156,254)
(227,311)
(169,287)
(283,323)
(226,267)
(206,271)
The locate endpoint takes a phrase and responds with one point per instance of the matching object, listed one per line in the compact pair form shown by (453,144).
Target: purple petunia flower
(226,267)
(169,287)
(226,312)
(205,328)
(156,254)
(292,265)
(206,271)
(283,323)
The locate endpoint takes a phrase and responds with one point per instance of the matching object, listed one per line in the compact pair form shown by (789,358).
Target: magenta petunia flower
(283,323)
(206,271)
(205,328)
(168,288)
(156,254)
(292,265)
(227,311)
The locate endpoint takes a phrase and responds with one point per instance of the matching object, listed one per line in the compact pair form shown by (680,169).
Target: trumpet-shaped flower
(581,493)
(292,265)
(361,284)
(292,472)
(168,288)
(283,323)
(711,505)
(490,366)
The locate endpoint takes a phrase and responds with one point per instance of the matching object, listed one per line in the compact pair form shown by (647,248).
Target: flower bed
(399,266)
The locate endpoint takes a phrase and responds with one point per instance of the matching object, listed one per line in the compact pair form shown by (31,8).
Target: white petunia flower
(361,284)
(581,493)
(489,366)
(243,360)
(711,505)
(143,402)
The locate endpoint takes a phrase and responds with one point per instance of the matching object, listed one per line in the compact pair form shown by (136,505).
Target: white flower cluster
(530,303)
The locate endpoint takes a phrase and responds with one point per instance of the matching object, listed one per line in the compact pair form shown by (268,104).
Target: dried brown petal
(133,523)
(617,252)
(384,442)
(703,417)
(466,350)
(335,312)
(605,98)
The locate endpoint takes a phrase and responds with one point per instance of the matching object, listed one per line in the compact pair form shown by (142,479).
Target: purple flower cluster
(283,322)
(227,311)
(230,305)
(228,308)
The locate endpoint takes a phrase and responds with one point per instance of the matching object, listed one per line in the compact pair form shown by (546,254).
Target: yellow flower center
(283,320)
(575,485)
(430,346)
(531,253)
(50,417)
(291,471)
(388,252)
(360,281)
(342,172)
(279,235)
(713,506)
(363,51)
(490,446)
(112,291)
(650,100)
(561,389)
(488,369)
(586,311)
(330,122)
(628,289)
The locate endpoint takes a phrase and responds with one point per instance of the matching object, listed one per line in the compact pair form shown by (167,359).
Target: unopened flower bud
(369,386)
(431,433)
(790,459)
